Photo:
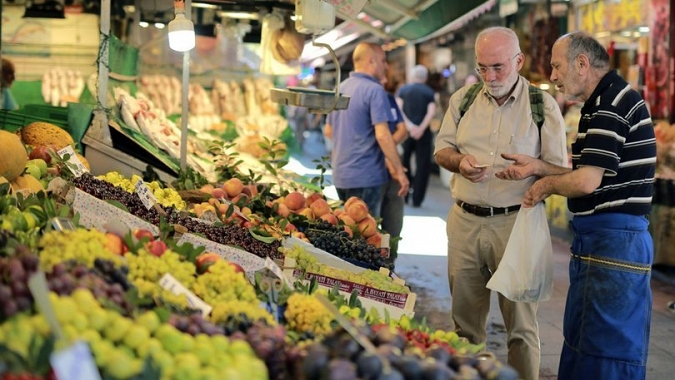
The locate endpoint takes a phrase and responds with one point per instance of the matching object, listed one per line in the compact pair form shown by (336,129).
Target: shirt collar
(602,86)
(364,76)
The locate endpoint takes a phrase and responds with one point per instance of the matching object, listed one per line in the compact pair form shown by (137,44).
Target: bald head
(369,58)
(498,37)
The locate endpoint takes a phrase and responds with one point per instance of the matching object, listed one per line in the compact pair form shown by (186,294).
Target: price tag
(75,363)
(169,282)
(146,195)
(75,165)
(274,268)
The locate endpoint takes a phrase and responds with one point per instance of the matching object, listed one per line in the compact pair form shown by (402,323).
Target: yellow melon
(41,133)
(26,184)
(14,156)
(84,161)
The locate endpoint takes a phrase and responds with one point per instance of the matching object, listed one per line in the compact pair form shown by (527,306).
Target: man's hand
(402,180)
(539,191)
(416,132)
(468,169)
(522,167)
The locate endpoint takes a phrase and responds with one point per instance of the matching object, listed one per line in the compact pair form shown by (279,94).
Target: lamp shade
(181,33)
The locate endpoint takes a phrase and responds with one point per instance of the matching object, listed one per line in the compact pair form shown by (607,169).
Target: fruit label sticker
(74,363)
(73,164)
(274,268)
(169,282)
(146,195)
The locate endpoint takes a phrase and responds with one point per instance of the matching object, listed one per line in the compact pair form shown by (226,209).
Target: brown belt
(487,211)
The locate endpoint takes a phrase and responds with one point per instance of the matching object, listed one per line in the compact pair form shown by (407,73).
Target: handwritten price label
(146,195)
(74,164)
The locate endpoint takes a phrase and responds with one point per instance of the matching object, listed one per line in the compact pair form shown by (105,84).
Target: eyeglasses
(497,69)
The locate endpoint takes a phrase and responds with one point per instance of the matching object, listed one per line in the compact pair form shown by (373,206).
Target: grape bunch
(15,296)
(305,313)
(222,283)
(337,242)
(66,278)
(194,325)
(269,344)
(232,234)
(165,197)
(238,315)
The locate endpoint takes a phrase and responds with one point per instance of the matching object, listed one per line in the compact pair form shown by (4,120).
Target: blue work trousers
(609,302)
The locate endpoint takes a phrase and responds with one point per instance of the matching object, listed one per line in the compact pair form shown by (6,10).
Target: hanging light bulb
(181,29)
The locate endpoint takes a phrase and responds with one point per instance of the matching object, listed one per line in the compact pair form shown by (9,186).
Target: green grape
(252,310)
(146,270)
(305,313)
(80,245)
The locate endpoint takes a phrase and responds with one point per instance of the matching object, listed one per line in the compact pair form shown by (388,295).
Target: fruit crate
(12,121)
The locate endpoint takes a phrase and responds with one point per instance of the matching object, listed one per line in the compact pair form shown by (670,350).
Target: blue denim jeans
(371,195)
(609,302)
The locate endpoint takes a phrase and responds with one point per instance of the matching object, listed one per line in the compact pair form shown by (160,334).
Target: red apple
(237,268)
(115,244)
(42,152)
(156,247)
(142,233)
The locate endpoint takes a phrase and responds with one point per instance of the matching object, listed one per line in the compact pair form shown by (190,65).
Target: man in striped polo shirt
(609,302)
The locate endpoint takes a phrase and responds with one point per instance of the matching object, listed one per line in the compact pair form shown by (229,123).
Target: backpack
(536,103)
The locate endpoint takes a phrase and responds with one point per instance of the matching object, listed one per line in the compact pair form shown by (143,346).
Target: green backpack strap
(469,97)
(536,103)
(537,106)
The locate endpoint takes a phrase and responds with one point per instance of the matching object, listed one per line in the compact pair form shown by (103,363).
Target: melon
(41,133)
(84,161)
(14,156)
(26,184)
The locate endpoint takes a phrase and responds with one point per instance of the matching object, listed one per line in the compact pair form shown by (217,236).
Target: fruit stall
(252,275)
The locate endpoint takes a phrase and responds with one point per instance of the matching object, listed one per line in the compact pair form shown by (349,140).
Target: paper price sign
(75,363)
(170,283)
(272,266)
(74,164)
(146,195)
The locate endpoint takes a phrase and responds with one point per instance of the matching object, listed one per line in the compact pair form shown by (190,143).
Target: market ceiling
(386,19)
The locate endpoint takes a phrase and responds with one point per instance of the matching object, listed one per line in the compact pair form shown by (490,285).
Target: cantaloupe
(41,133)
(84,161)
(26,184)
(13,156)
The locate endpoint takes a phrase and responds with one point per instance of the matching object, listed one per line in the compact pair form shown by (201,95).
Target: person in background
(299,119)
(392,204)
(417,100)
(360,134)
(479,224)
(609,188)
(8,102)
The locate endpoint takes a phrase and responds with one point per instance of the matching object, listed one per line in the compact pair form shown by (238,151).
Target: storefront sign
(611,16)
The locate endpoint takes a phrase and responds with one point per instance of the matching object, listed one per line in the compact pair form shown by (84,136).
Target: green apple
(33,170)
(40,163)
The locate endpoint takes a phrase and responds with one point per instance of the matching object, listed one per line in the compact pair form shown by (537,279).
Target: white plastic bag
(525,273)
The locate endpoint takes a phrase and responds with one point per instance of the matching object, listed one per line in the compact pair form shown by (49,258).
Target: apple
(40,163)
(142,233)
(156,247)
(42,152)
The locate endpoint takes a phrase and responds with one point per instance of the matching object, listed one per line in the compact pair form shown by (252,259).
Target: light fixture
(159,25)
(47,9)
(181,30)
(143,24)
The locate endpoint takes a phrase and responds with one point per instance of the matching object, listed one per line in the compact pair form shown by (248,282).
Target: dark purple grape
(9,308)
(30,262)
(5,293)
(19,289)
(23,303)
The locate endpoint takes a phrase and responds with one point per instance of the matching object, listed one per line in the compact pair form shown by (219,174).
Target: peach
(347,220)
(208,188)
(351,200)
(283,210)
(115,244)
(358,211)
(294,200)
(320,207)
(290,227)
(233,187)
(368,227)
(375,240)
(338,212)
(349,231)
(218,193)
(313,197)
(222,208)
(307,213)
(330,218)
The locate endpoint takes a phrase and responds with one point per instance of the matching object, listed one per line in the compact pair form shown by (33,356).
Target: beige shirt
(487,130)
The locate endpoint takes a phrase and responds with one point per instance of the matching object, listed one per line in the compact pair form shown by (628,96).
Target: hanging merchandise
(275,44)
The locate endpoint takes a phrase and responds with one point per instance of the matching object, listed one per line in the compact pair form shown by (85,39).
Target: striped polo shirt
(616,134)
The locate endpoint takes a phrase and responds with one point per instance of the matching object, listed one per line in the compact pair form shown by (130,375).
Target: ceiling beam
(398,8)
(418,9)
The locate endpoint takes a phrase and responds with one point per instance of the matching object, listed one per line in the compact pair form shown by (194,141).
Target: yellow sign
(611,16)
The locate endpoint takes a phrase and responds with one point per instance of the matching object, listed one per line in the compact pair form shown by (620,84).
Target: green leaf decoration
(264,239)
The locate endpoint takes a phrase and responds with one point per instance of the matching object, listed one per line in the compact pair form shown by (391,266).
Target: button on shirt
(487,130)
(357,159)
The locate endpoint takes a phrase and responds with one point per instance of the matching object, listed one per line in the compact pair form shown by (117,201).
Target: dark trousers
(420,179)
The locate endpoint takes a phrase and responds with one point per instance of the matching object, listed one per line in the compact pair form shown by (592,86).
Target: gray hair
(420,73)
(584,43)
